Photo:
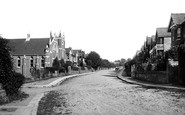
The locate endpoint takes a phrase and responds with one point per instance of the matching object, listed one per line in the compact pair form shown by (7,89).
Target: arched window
(42,61)
(19,61)
(31,61)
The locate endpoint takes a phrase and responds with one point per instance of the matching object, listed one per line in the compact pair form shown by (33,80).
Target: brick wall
(155,77)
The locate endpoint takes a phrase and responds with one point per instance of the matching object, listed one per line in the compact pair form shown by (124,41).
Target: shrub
(173,73)
(62,70)
(11,81)
(51,69)
(149,67)
(68,63)
(74,68)
(56,63)
(83,68)
(62,63)
(36,73)
(13,84)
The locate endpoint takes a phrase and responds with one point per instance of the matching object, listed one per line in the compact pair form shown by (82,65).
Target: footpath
(29,106)
(147,84)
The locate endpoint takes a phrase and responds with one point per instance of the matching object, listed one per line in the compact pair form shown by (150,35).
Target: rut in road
(102,93)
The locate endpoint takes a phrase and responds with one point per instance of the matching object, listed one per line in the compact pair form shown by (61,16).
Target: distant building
(75,56)
(36,52)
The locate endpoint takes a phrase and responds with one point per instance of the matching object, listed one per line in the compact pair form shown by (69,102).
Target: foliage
(173,73)
(6,65)
(172,54)
(80,63)
(62,70)
(160,62)
(56,63)
(128,65)
(36,73)
(13,83)
(93,59)
(181,59)
(68,63)
(62,63)
(75,68)
(10,80)
(149,67)
(122,62)
(142,57)
(51,69)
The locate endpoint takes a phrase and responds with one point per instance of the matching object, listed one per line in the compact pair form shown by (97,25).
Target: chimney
(28,37)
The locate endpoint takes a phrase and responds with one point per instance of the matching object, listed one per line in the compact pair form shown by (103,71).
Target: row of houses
(40,52)
(166,37)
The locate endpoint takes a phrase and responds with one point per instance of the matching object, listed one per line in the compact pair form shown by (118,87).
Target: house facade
(162,42)
(177,28)
(69,54)
(29,53)
(75,56)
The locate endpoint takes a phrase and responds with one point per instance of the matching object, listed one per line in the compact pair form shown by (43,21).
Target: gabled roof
(68,49)
(76,51)
(35,46)
(177,19)
(162,32)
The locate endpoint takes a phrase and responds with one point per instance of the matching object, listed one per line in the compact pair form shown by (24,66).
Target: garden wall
(153,76)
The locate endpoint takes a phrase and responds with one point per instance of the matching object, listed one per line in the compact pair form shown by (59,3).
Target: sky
(114,29)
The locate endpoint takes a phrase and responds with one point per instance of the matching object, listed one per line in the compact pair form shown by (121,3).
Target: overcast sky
(113,28)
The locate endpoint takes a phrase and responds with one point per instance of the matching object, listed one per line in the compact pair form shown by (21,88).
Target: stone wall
(153,76)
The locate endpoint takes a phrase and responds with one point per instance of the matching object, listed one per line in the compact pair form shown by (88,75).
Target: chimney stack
(28,37)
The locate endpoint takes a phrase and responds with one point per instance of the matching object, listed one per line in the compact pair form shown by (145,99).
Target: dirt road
(102,93)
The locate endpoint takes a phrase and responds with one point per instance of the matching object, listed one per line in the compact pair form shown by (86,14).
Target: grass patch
(47,103)
(17,97)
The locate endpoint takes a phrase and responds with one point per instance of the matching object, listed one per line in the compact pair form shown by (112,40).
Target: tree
(62,63)
(93,59)
(56,63)
(122,62)
(10,80)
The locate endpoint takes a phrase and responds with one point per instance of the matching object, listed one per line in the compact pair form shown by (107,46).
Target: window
(18,62)
(42,62)
(31,61)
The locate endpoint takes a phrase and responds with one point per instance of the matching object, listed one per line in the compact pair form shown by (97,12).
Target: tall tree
(6,66)
(93,59)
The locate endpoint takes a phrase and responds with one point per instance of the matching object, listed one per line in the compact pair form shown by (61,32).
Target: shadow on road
(110,75)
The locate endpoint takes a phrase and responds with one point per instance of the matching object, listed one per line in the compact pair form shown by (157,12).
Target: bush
(89,67)
(83,68)
(74,68)
(36,73)
(62,70)
(68,63)
(62,63)
(173,73)
(51,69)
(56,63)
(149,67)
(13,84)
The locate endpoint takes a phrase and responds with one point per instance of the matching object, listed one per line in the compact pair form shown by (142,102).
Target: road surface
(101,93)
